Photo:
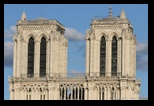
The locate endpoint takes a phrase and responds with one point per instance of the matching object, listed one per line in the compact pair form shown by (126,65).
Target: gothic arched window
(102,56)
(30,72)
(114,56)
(43,57)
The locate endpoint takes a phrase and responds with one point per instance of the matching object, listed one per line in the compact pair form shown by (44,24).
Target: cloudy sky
(77,18)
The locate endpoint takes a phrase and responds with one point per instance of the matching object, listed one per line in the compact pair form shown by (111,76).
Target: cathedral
(40,61)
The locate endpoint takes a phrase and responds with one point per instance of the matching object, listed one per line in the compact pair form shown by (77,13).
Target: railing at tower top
(71,75)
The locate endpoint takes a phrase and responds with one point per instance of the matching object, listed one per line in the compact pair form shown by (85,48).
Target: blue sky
(77,18)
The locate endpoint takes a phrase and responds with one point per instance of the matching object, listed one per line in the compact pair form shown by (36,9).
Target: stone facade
(57,84)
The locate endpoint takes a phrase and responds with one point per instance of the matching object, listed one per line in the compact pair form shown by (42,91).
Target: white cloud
(8,33)
(8,53)
(13,28)
(142,56)
(142,48)
(73,34)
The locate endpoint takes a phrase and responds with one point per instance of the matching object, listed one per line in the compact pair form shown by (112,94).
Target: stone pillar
(16,95)
(36,58)
(33,94)
(95,94)
(38,94)
(12,95)
(46,94)
(126,57)
(91,90)
(50,57)
(65,93)
(105,93)
(85,94)
(81,94)
(117,94)
(65,59)
(101,94)
(85,91)
(78,92)
(87,57)
(47,57)
(123,93)
(71,93)
(61,91)
(51,93)
(97,58)
(134,58)
(108,58)
(18,58)
(24,94)
(26,59)
(119,57)
(24,56)
(91,57)
(123,56)
(15,58)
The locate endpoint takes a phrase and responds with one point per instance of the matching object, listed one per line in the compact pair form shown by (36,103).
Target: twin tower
(40,61)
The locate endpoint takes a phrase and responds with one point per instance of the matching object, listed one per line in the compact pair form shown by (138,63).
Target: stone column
(47,57)
(26,59)
(66,47)
(91,90)
(50,57)
(119,57)
(18,58)
(35,96)
(71,93)
(87,57)
(105,93)
(58,94)
(11,95)
(65,93)
(24,94)
(134,58)
(95,94)
(91,56)
(97,58)
(117,94)
(108,93)
(123,56)
(81,94)
(101,94)
(108,58)
(126,57)
(123,93)
(38,94)
(36,58)
(61,91)
(15,58)
(85,94)
(78,92)
(98,93)
(24,56)
(85,91)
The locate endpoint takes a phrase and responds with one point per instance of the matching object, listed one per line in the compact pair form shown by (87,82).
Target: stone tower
(40,51)
(111,53)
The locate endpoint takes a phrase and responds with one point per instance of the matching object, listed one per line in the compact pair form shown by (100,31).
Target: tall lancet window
(102,56)
(43,57)
(114,56)
(30,72)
